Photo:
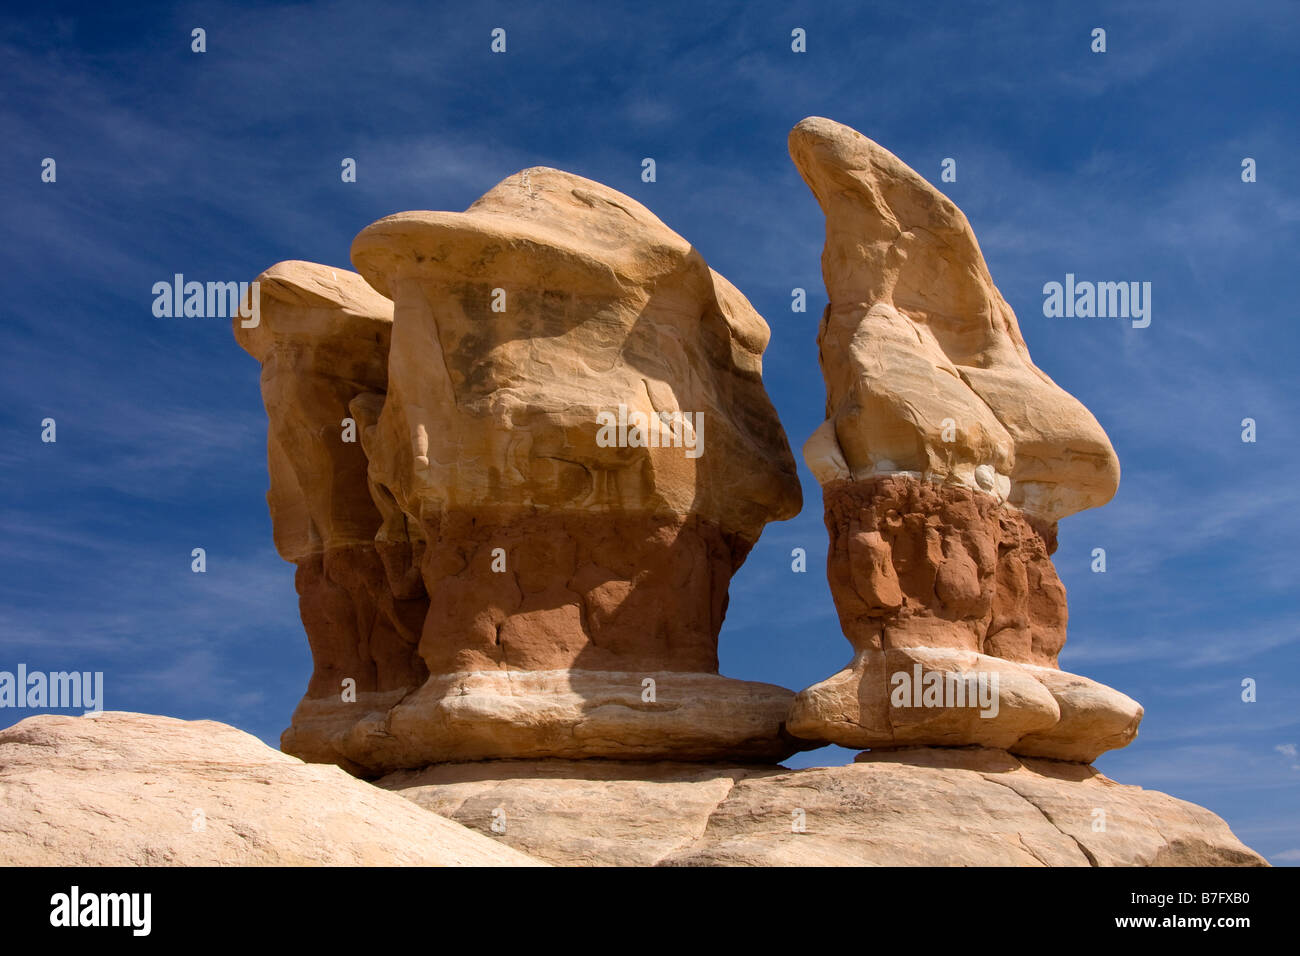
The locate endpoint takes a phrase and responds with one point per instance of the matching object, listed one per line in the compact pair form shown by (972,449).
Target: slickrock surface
(135,789)
(952,807)
(568,452)
(123,789)
(945,460)
(577,812)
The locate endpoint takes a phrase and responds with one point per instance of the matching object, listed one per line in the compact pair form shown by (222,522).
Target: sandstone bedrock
(124,789)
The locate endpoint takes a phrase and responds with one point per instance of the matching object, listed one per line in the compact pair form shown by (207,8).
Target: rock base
(122,789)
(480,715)
(956,615)
(540,629)
(125,789)
(923,807)
(1025,709)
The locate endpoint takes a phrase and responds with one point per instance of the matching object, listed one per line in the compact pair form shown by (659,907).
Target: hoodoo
(946,459)
(496,576)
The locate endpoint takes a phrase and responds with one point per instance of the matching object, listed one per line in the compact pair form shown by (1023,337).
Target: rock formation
(322,336)
(945,460)
(566,452)
(517,460)
(121,789)
(927,807)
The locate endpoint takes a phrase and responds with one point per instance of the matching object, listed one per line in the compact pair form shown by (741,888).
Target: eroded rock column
(946,459)
(322,336)
(572,456)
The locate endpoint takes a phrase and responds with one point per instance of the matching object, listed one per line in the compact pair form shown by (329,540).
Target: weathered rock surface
(565,713)
(123,789)
(550,300)
(576,812)
(929,807)
(944,584)
(926,370)
(135,789)
(322,337)
(945,460)
(565,453)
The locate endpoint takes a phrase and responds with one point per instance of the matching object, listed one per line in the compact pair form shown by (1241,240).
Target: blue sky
(1117,166)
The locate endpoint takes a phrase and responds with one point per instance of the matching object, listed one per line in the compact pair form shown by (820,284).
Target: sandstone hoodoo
(322,336)
(565,453)
(946,459)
